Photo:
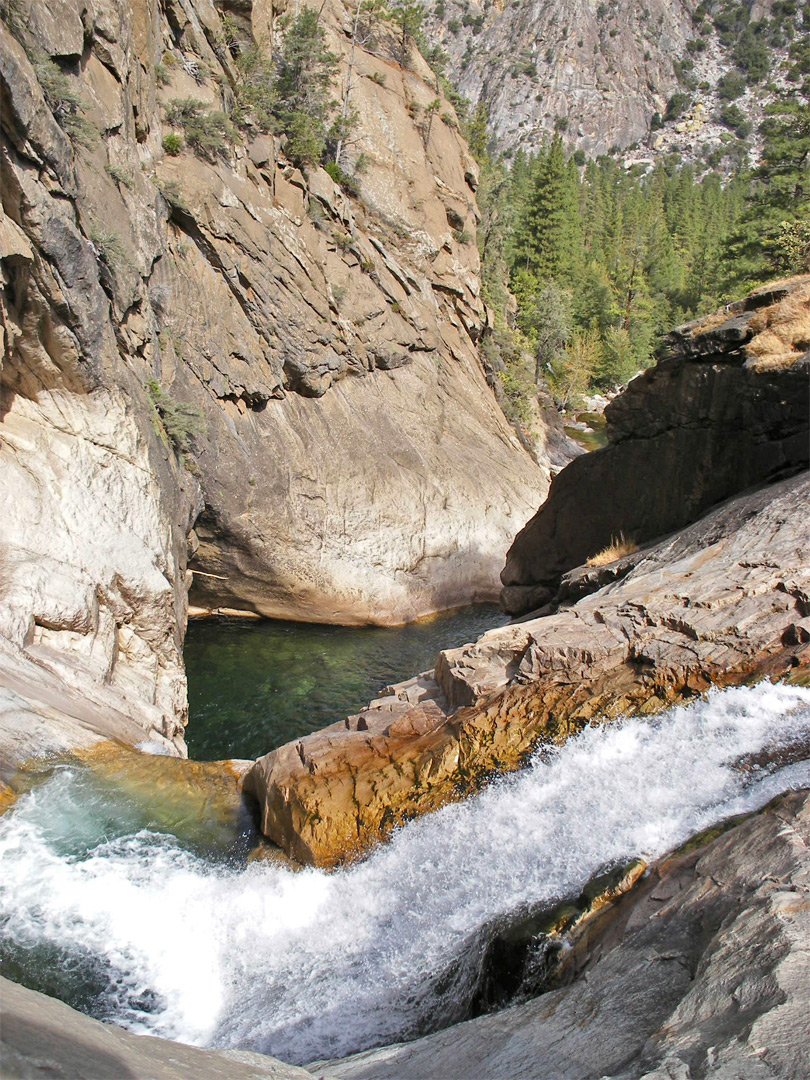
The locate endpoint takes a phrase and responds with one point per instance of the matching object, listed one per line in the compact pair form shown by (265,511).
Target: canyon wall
(725,407)
(216,336)
(604,74)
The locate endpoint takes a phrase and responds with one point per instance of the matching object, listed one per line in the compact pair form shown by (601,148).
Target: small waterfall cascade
(140,927)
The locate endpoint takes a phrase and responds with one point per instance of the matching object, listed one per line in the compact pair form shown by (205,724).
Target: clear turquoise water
(253,686)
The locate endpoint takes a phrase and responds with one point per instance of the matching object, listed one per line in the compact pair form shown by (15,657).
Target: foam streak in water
(313,965)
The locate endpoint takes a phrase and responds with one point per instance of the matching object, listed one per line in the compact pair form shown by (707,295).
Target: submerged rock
(723,602)
(725,408)
(700,971)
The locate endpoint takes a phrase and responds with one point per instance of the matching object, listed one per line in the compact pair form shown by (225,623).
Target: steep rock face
(702,971)
(598,70)
(726,600)
(356,467)
(95,510)
(353,464)
(726,407)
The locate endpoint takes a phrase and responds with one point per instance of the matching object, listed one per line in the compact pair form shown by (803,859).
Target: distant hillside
(662,76)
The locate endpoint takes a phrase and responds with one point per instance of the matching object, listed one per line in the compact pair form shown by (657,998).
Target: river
(144,929)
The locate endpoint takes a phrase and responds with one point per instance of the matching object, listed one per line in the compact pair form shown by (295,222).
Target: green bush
(172,143)
(255,90)
(65,101)
(730,86)
(172,193)
(209,132)
(179,420)
(348,184)
(121,175)
(677,105)
(109,245)
(304,72)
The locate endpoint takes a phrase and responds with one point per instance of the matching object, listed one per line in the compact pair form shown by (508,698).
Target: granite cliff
(212,335)
(638,80)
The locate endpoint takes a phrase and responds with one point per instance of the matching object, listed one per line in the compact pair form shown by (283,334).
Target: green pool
(253,686)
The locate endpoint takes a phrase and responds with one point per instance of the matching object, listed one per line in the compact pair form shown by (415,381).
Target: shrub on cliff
(178,420)
(255,89)
(65,100)
(207,131)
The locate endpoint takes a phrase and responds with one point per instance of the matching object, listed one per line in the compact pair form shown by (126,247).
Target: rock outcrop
(44,1037)
(700,971)
(722,602)
(726,407)
(216,336)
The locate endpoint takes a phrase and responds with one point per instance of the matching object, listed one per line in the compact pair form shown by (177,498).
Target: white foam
(313,965)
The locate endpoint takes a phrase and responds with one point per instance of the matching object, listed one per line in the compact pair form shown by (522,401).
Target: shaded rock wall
(711,418)
(95,509)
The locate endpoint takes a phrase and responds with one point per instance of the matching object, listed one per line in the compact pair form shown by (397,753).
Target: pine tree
(305,70)
(778,210)
(550,238)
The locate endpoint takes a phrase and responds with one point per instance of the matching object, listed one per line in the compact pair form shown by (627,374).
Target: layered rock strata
(700,971)
(722,602)
(725,407)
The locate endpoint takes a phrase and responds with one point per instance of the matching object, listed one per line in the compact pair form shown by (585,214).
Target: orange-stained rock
(723,602)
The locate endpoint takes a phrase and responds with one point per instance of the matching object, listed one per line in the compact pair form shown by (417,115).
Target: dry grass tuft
(782,331)
(617,549)
(711,322)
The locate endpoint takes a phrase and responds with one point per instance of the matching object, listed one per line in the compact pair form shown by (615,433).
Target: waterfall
(310,965)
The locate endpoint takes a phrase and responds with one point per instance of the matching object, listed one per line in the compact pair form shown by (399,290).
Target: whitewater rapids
(312,965)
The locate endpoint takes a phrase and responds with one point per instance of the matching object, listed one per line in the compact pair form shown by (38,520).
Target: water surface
(137,927)
(253,686)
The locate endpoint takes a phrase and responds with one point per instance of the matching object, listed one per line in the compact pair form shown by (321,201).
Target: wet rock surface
(701,970)
(722,602)
(712,418)
(44,1037)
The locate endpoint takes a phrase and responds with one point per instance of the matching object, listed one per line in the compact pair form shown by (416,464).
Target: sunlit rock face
(350,462)
(595,71)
